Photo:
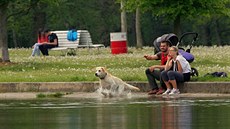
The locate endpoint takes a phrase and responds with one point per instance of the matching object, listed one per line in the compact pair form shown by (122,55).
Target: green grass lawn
(129,67)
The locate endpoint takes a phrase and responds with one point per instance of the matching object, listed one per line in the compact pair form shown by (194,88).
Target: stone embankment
(188,87)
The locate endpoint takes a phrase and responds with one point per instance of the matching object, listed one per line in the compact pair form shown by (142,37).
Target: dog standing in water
(114,85)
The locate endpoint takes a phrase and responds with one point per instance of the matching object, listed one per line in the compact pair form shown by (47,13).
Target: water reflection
(115,113)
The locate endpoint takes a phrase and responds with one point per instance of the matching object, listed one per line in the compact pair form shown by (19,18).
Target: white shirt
(184,64)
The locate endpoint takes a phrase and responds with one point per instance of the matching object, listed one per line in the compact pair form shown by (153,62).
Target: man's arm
(151,68)
(151,57)
(55,39)
(53,43)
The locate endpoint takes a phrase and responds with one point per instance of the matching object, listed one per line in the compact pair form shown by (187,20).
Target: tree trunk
(123,18)
(3,32)
(177,29)
(217,33)
(138,29)
(207,35)
(14,38)
(39,18)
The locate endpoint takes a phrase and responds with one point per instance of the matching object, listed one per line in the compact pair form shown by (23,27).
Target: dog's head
(101,72)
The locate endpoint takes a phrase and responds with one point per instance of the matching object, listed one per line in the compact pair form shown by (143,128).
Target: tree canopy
(174,10)
(101,17)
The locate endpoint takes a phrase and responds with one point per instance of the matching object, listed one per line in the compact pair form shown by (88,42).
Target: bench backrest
(62,39)
(84,38)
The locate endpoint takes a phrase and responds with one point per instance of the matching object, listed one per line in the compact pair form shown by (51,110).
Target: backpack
(217,74)
(72,35)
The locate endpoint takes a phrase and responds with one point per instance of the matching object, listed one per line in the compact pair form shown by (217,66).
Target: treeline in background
(101,17)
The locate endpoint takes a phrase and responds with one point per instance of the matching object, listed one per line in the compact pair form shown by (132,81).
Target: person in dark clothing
(52,42)
(153,72)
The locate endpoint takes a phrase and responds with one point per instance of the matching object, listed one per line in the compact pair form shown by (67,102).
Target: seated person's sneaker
(160,91)
(167,92)
(174,91)
(153,91)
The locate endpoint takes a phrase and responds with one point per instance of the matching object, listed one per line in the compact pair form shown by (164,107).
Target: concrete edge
(187,87)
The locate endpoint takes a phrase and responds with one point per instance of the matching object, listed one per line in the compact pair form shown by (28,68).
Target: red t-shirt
(163,57)
(42,39)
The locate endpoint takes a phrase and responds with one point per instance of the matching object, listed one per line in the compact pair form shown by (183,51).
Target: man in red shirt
(153,72)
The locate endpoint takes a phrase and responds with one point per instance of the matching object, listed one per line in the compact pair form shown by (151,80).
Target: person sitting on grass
(177,69)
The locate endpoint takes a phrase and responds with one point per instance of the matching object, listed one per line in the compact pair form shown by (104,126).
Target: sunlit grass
(129,67)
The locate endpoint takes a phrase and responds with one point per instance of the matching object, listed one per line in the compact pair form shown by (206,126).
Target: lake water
(116,113)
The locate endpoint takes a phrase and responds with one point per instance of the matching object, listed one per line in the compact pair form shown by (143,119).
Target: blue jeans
(36,50)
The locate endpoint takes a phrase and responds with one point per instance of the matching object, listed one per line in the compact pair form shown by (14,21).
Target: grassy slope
(129,67)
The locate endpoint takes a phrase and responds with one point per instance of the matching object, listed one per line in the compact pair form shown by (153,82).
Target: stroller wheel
(194,72)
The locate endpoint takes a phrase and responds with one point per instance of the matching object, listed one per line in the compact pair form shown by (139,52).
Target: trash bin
(118,42)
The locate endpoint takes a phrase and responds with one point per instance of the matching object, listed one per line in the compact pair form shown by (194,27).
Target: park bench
(83,41)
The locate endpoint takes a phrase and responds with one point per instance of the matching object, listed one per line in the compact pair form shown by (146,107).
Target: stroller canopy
(171,38)
(174,41)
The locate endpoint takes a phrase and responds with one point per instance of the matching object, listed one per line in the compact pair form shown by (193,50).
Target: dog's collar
(103,76)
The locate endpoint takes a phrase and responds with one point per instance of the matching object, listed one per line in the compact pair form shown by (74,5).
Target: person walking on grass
(177,69)
(153,72)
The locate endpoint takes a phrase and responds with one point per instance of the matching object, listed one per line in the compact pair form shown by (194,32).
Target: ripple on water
(116,101)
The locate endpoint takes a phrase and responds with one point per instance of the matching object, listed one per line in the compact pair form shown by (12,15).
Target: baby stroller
(174,41)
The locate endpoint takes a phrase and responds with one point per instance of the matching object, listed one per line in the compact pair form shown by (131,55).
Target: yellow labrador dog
(114,84)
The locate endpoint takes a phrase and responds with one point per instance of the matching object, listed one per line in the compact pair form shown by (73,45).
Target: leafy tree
(138,34)
(17,8)
(18,21)
(28,16)
(100,17)
(175,10)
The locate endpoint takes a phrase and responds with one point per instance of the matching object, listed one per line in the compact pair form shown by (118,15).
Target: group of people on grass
(46,40)
(174,68)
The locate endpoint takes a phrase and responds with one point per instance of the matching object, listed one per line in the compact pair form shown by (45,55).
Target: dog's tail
(132,87)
